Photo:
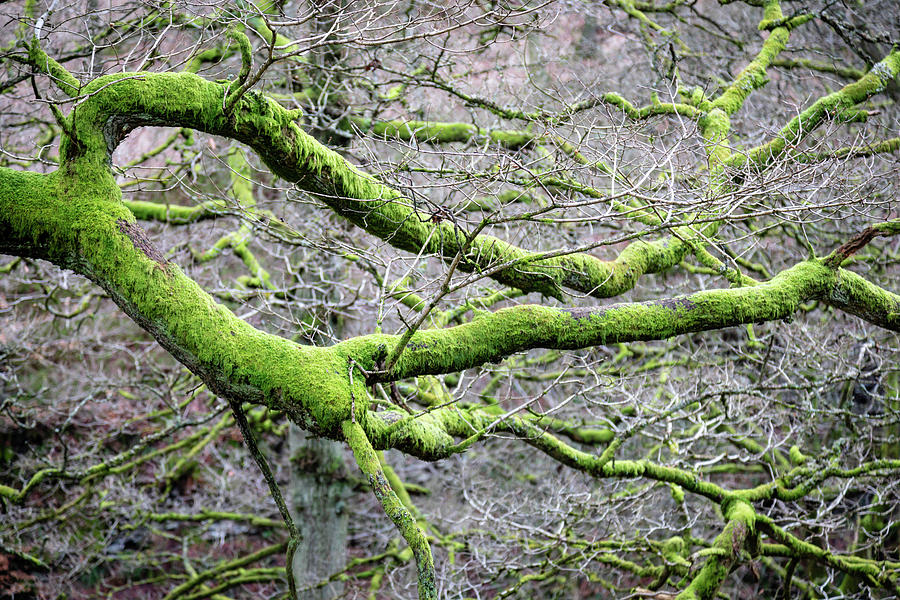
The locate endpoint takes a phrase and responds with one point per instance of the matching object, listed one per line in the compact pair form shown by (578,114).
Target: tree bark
(318,496)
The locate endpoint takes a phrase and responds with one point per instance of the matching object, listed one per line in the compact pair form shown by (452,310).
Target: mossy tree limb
(114,105)
(725,552)
(393,506)
(753,76)
(75,218)
(97,239)
(831,106)
(491,337)
(77,224)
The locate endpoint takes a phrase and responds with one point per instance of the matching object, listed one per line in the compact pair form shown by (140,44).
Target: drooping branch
(403,519)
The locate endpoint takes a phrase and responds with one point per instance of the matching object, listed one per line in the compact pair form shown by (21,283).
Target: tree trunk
(318,494)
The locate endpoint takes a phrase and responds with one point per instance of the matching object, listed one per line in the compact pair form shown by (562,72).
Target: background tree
(595,295)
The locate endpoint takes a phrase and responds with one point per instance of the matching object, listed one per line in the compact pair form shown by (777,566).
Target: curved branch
(78,223)
(113,105)
(492,337)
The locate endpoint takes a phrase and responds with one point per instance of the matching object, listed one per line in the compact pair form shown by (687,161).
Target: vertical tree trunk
(318,494)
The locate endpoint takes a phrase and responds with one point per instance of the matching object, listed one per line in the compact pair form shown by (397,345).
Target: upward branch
(834,105)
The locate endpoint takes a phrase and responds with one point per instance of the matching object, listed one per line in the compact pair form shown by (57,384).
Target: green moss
(64,80)
(677,494)
(174,213)
(853,294)
(494,336)
(822,67)
(206,56)
(787,22)
(653,109)
(584,435)
(243,43)
(424,436)
(674,550)
(511,139)
(714,126)
(441,133)
(725,551)
(797,457)
(394,508)
(393,93)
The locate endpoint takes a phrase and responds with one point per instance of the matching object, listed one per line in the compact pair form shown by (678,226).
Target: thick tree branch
(113,105)
(88,230)
(492,337)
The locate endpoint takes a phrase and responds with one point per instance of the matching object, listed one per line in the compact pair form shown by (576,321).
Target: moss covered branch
(725,551)
(494,336)
(79,222)
(393,506)
(115,104)
(182,590)
(831,106)
(753,76)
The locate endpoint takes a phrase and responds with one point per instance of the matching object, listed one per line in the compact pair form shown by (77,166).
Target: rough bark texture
(319,492)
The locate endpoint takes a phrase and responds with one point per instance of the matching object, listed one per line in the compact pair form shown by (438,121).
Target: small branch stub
(246,49)
(859,241)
